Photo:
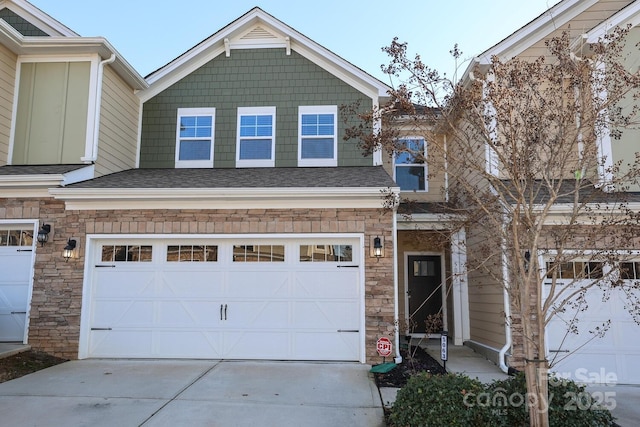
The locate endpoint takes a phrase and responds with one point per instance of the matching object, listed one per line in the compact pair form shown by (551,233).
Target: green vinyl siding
(51,123)
(248,78)
(20,24)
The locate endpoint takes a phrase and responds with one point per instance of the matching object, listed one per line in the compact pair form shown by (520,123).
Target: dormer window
(317,135)
(195,136)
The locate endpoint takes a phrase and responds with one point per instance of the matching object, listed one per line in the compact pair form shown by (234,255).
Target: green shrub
(570,404)
(438,400)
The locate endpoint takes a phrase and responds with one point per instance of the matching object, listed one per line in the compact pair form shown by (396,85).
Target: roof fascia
(44,21)
(27,46)
(531,33)
(216,198)
(214,46)
(630,15)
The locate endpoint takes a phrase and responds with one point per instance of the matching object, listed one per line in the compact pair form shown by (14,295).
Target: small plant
(437,400)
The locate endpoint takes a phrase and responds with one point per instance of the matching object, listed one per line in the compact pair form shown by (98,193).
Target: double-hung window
(317,135)
(256,137)
(410,164)
(194,137)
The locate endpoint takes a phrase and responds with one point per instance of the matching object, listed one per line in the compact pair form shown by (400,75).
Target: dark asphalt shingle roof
(366,176)
(38,169)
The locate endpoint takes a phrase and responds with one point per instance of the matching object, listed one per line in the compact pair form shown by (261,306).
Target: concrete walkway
(194,393)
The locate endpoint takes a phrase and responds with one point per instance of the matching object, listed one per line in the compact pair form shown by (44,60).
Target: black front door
(425,293)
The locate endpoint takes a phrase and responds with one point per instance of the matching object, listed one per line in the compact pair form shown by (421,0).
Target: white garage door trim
(31,225)
(95,240)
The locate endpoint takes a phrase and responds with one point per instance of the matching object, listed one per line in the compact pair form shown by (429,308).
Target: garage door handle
(220,311)
(25,250)
(225,312)
(105,266)
(348,266)
(18,312)
(101,329)
(559,351)
(348,330)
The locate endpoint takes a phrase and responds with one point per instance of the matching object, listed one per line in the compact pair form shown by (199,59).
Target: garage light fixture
(377,247)
(69,249)
(43,234)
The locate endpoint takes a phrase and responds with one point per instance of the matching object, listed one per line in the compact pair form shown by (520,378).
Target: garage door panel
(125,283)
(257,315)
(115,313)
(13,325)
(15,266)
(202,313)
(332,315)
(185,344)
(185,283)
(318,284)
(243,344)
(325,346)
(258,284)
(124,343)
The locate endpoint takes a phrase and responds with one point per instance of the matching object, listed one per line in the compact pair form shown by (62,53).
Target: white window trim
(318,109)
(425,164)
(254,163)
(195,112)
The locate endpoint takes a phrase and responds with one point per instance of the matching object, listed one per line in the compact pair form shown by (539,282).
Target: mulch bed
(414,361)
(24,363)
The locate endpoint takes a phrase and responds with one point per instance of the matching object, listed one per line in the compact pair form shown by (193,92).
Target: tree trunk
(536,375)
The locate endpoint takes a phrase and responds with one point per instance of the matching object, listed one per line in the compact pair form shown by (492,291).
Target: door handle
(220,311)
(225,312)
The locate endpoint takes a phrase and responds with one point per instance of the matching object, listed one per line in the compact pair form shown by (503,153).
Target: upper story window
(195,135)
(410,164)
(317,140)
(256,137)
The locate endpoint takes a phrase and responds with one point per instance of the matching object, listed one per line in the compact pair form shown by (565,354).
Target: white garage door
(16,261)
(586,357)
(260,299)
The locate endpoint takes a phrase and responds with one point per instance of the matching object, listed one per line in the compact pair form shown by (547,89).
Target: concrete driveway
(193,393)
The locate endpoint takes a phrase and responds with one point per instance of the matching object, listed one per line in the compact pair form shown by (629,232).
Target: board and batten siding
(7,90)
(119,115)
(249,78)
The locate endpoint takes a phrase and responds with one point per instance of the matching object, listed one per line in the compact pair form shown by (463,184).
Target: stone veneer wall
(57,290)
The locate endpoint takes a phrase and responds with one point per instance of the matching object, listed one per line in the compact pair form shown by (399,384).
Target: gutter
(98,109)
(398,357)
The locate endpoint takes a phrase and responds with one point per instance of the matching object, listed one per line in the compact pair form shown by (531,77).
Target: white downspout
(507,306)
(96,126)
(398,358)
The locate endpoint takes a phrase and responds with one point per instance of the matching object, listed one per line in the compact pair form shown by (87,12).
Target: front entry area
(424,284)
(224,298)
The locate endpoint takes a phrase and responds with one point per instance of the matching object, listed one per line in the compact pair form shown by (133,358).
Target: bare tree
(527,180)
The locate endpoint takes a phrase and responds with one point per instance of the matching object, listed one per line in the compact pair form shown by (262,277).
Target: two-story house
(238,223)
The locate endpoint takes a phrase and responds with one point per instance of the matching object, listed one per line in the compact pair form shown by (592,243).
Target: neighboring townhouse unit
(492,331)
(68,112)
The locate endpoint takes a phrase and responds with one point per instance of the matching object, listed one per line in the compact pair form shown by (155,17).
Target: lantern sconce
(69,250)
(43,234)
(377,246)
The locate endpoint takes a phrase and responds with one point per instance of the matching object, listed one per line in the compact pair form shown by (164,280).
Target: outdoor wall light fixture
(43,234)
(69,249)
(377,247)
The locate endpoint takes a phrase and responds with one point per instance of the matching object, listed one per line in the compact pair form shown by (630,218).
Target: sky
(150,33)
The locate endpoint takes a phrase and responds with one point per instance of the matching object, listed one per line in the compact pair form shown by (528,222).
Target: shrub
(570,404)
(437,400)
